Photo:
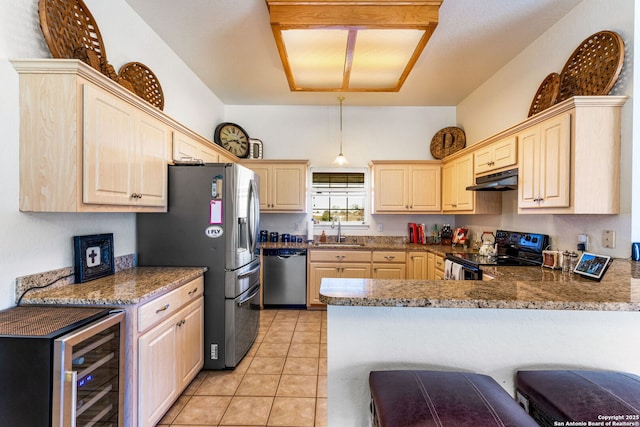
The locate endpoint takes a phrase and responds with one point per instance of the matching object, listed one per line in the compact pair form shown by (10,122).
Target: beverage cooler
(61,366)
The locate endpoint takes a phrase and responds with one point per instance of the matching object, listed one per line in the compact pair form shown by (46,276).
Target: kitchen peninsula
(527,318)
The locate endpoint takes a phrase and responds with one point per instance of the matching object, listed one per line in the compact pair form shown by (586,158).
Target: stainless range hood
(499,181)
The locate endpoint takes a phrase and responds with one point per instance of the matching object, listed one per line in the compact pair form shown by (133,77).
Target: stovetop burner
(514,249)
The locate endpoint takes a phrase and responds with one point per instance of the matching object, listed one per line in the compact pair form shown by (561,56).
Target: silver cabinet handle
(193,291)
(166,306)
(389,257)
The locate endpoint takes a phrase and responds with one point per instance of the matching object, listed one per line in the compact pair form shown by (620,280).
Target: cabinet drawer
(389,256)
(340,256)
(439,263)
(165,305)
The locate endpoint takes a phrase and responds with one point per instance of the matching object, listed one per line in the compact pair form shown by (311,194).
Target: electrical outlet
(296,226)
(380,227)
(609,239)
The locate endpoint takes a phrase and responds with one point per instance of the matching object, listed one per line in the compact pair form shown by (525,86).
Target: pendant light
(341,160)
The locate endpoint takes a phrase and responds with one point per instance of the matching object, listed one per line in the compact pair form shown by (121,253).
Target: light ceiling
(230,46)
(351,46)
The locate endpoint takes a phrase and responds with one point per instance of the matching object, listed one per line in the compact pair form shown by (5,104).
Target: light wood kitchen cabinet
(388,264)
(169,349)
(406,187)
(86,143)
(352,264)
(498,155)
(457,175)
(125,152)
(431,266)
(417,265)
(283,184)
(187,148)
(439,267)
(569,158)
(545,165)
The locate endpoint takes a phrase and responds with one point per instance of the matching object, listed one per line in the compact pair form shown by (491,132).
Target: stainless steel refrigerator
(212,221)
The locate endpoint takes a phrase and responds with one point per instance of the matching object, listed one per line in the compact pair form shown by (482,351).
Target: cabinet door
(390,191)
(190,339)
(108,149)
(431,266)
(425,188)
(545,165)
(157,367)
(265,183)
(355,271)
(185,147)
(496,156)
(555,161)
(317,272)
(464,178)
(150,163)
(449,181)
(417,266)
(289,189)
(389,271)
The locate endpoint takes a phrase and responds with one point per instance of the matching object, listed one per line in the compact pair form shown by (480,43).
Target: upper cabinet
(457,175)
(570,158)
(406,186)
(283,184)
(89,145)
(496,156)
(545,164)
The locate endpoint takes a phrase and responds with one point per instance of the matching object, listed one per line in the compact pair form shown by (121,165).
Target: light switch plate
(93,257)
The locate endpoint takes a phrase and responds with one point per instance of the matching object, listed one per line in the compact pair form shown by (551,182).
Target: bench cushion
(556,396)
(438,398)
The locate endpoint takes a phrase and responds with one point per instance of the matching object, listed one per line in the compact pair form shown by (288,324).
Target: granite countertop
(355,244)
(512,288)
(130,286)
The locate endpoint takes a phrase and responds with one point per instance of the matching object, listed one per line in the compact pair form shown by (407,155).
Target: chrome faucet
(339,238)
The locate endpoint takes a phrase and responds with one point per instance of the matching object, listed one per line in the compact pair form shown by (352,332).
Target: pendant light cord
(341,98)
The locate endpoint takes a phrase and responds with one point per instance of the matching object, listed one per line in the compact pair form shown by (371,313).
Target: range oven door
(467,272)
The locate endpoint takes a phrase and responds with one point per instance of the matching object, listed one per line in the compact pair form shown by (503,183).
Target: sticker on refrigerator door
(215,212)
(213,231)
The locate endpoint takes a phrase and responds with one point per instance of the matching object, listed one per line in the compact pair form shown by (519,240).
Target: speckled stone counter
(513,287)
(130,286)
(391,243)
(526,318)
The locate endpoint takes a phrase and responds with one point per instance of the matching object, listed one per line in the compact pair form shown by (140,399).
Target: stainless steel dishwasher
(284,277)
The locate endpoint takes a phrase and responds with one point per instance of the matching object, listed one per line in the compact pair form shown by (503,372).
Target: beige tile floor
(281,382)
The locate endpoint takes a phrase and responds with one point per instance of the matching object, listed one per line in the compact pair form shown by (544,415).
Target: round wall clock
(233,138)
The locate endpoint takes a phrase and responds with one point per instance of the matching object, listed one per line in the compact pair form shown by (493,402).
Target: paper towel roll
(310,230)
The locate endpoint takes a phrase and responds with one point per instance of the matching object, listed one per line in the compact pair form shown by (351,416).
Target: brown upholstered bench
(447,399)
(555,397)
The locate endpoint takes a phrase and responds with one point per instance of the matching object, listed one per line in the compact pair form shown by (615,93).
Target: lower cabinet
(388,265)
(438,273)
(417,265)
(170,349)
(334,264)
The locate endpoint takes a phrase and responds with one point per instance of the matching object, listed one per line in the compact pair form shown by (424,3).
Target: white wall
(504,100)
(369,133)
(36,242)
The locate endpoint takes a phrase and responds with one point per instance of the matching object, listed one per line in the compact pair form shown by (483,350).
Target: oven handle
(253,294)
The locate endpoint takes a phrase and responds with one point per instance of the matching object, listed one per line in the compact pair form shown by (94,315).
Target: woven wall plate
(70,30)
(547,94)
(594,67)
(145,83)
(447,141)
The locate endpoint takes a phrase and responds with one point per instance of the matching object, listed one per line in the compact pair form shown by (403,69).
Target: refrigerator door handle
(254,215)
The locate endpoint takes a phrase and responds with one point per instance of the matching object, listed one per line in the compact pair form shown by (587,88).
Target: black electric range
(515,248)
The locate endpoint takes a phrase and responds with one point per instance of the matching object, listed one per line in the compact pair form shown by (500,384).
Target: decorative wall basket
(145,84)
(447,141)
